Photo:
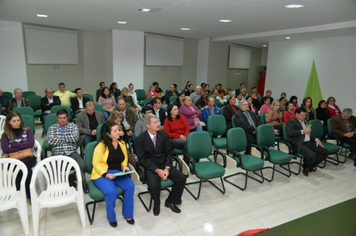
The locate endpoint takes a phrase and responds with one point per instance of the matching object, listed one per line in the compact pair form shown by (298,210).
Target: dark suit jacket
(152,158)
(228,114)
(293,128)
(84,126)
(241,121)
(75,103)
(44,102)
(162,115)
(131,118)
(338,126)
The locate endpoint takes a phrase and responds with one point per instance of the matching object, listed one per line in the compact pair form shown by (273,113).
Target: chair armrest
(180,168)
(134,176)
(192,161)
(261,149)
(329,136)
(282,143)
(143,176)
(212,137)
(216,153)
(234,154)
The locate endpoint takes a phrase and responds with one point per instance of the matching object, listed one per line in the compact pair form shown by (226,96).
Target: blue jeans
(106,115)
(109,189)
(88,139)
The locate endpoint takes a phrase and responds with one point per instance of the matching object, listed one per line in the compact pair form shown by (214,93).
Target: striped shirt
(66,142)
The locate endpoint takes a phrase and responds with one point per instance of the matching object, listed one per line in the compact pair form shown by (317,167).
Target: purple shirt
(23,141)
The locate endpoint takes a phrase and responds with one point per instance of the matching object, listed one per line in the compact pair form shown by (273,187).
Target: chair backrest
(262,118)
(98,107)
(199,139)
(98,132)
(91,98)
(265,135)
(25,94)
(128,106)
(24,111)
(54,110)
(317,128)
(217,125)
(89,152)
(35,102)
(9,169)
(232,121)
(51,119)
(222,110)
(329,125)
(2,123)
(236,139)
(172,99)
(9,95)
(29,121)
(141,94)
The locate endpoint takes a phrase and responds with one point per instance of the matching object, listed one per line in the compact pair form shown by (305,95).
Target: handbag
(20,154)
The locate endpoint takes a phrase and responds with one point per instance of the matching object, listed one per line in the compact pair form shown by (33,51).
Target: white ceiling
(254,22)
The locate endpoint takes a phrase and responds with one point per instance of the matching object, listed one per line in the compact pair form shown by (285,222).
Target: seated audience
(203,85)
(251,107)
(244,93)
(202,101)
(215,92)
(207,90)
(308,106)
(177,129)
(256,103)
(289,112)
(221,97)
(133,94)
(282,102)
(117,117)
(87,122)
(172,91)
(114,90)
(152,92)
(322,113)
(210,110)
(268,95)
(159,90)
(3,100)
(293,99)
(128,99)
(47,102)
(228,93)
(266,106)
(239,99)
(130,118)
(15,139)
(64,95)
(107,101)
(180,100)
(158,111)
(237,91)
(18,100)
(196,95)
(78,103)
(110,157)
(229,111)
(99,91)
(344,126)
(299,135)
(191,113)
(187,87)
(140,126)
(155,155)
(258,96)
(283,95)
(247,120)
(333,109)
(274,117)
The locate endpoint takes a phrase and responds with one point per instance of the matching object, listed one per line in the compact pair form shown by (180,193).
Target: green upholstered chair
(141,96)
(51,119)
(128,106)
(91,98)
(343,145)
(98,132)
(98,107)
(266,139)
(318,131)
(24,111)
(25,94)
(217,127)
(36,105)
(262,118)
(199,147)
(232,121)
(54,110)
(236,143)
(9,95)
(222,110)
(29,122)
(172,99)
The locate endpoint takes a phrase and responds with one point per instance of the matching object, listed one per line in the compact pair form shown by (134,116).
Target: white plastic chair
(9,196)
(2,123)
(56,171)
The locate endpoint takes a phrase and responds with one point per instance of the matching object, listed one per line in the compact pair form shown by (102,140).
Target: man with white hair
(18,100)
(196,95)
(344,126)
(4,100)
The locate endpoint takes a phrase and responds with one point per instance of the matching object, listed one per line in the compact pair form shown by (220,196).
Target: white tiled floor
(259,206)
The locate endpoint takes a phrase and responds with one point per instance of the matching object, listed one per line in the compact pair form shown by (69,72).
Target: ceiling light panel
(42,15)
(294,6)
(224,21)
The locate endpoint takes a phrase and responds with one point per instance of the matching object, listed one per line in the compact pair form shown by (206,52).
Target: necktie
(154,141)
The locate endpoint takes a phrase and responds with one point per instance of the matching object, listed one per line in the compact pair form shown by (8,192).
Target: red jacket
(332,112)
(287,116)
(176,127)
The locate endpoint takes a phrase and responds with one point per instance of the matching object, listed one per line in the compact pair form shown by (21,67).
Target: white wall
(203,61)
(12,57)
(289,64)
(128,58)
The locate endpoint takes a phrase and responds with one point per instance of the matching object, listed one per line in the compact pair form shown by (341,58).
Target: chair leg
(273,170)
(200,183)
(151,199)
(80,206)
(246,176)
(91,217)
(35,217)
(22,208)
(293,162)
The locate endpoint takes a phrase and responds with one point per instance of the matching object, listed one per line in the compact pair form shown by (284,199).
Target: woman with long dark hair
(115,90)
(109,159)
(180,100)
(333,109)
(293,99)
(308,106)
(107,101)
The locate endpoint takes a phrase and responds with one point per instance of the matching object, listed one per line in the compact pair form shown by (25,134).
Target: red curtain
(261,83)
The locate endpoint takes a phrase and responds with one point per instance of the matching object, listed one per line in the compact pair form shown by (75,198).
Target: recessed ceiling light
(287,37)
(184,28)
(294,6)
(144,9)
(264,45)
(122,22)
(42,15)
(225,21)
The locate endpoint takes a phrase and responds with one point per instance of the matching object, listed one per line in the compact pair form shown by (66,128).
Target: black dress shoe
(156,212)
(173,207)
(305,171)
(131,222)
(355,163)
(113,224)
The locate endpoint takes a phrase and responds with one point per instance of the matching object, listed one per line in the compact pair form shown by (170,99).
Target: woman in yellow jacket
(110,157)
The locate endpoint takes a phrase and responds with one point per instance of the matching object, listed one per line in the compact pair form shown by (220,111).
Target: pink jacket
(189,114)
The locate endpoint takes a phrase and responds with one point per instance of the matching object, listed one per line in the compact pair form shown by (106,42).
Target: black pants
(181,144)
(29,162)
(251,139)
(279,128)
(154,186)
(352,142)
(313,155)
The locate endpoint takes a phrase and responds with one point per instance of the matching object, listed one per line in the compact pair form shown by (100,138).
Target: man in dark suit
(247,120)
(172,91)
(48,101)
(154,154)
(299,134)
(87,122)
(78,103)
(229,111)
(158,111)
(344,126)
